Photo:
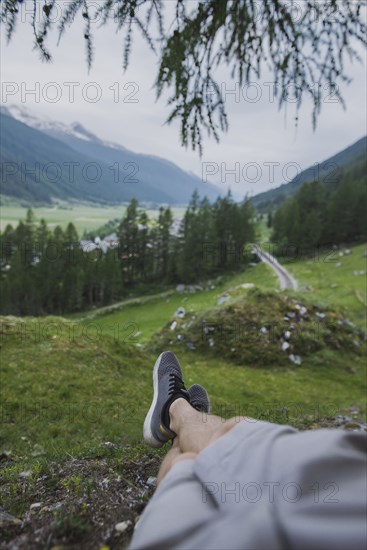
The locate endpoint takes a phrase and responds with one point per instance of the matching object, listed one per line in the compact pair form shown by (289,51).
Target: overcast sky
(129,114)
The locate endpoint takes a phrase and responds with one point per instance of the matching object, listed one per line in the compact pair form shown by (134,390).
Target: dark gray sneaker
(199,398)
(168,386)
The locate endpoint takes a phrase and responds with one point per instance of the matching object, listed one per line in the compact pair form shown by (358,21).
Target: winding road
(285,278)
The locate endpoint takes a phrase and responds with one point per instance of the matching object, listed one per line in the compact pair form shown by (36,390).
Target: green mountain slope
(328,172)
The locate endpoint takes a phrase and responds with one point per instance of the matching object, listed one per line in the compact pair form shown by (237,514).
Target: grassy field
(137,320)
(335,279)
(76,391)
(84,217)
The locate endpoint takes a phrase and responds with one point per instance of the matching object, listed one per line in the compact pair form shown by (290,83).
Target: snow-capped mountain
(45,124)
(49,159)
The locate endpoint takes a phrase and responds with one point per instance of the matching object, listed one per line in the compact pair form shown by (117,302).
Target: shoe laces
(175,385)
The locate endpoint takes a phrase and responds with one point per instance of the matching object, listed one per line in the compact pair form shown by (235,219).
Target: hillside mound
(263,329)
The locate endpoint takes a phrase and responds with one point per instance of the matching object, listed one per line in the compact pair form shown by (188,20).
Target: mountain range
(328,172)
(43,160)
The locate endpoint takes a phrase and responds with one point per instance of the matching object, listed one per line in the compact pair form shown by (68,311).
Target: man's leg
(195,431)
(180,414)
(173,456)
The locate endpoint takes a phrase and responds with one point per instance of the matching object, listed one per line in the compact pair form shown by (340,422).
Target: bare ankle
(177,410)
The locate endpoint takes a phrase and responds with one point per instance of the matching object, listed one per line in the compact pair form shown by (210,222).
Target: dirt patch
(77,505)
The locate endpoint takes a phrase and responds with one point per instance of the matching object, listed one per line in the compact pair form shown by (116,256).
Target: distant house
(111,241)
(88,246)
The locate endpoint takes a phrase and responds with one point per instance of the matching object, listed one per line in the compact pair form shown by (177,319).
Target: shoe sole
(147,430)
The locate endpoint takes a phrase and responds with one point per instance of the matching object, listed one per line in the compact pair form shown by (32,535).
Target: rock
(191,346)
(285,346)
(320,315)
(223,299)
(295,359)
(152,481)
(334,285)
(341,420)
(25,474)
(347,251)
(354,410)
(180,288)
(354,426)
(287,334)
(7,520)
(264,330)
(211,342)
(180,313)
(122,526)
(55,506)
(302,310)
(35,506)
(173,325)
(248,285)
(291,314)
(338,264)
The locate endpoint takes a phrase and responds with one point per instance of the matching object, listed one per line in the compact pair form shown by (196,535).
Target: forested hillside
(330,171)
(47,271)
(324,214)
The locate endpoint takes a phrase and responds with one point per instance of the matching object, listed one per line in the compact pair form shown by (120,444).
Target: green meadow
(84,217)
(76,389)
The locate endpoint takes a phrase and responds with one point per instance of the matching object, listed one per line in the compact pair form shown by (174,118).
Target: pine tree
(128,242)
(163,242)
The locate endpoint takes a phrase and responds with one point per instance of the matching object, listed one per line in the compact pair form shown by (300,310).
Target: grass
(264,232)
(137,320)
(50,392)
(338,280)
(75,398)
(69,388)
(84,217)
(323,386)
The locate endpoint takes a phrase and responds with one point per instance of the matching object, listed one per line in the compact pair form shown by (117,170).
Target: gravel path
(285,278)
